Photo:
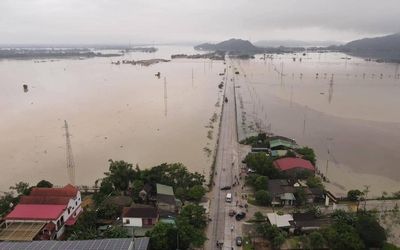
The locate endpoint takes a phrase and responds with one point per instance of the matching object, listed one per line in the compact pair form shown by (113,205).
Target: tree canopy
(44,184)
(370,231)
(262,197)
(263,165)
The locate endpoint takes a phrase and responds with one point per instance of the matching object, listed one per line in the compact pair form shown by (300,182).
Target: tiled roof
(36,212)
(140,211)
(290,163)
(49,200)
(67,191)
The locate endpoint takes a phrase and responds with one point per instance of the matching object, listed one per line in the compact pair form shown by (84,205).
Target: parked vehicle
(239,241)
(240,215)
(228,197)
(226,188)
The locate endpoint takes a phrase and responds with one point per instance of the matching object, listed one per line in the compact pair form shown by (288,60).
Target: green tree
(85,222)
(347,217)
(262,197)
(263,165)
(120,173)
(315,182)
(106,210)
(301,195)
(22,188)
(308,154)
(317,241)
(342,236)
(163,237)
(89,234)
(262,136)
(251,179)
(137,186)
(6,204)
(389,246)
(261,183)
(305,243)
(259,217)
(196,192)
(189,234)
(117,232)
(279,241)
(370,231)
(44,184)
(290,153)
(180,193)
(316,211)
(354,194)
(195,214)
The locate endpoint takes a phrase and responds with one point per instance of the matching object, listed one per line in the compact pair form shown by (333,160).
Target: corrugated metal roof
(36,212)
(280,220)
(278,142)
(290,163)
(164,189)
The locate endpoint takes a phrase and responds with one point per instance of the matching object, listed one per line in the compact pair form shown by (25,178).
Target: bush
(262,197)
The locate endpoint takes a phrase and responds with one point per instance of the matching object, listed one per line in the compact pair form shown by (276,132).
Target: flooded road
(359,113)
(114,112)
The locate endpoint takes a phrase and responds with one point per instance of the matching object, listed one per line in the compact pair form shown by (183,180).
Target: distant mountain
(390,42)
(236,45)
(386,48)
(294,43)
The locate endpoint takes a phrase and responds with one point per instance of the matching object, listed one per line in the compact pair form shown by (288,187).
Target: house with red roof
(292,166)
(54,208)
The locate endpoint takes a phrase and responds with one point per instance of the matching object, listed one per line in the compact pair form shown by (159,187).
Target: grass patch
(247,244)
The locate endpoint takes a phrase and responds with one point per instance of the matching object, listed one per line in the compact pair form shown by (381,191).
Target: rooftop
(45,200)
(165,190)
(116,244)
(67,191)
(140,211)
(36,212)
(290,163)
(280,220)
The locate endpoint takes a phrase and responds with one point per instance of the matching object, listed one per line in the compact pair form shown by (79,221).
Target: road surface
(223,227)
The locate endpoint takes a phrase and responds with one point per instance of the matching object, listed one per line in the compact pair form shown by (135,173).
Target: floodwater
(355,116)
(119,112)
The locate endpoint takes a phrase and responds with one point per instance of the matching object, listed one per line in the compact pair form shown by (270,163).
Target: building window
(127,221)
(69,211)
(149,221)
(76,203)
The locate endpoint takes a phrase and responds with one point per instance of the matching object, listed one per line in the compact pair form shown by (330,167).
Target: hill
(294,43)
(236,45)
(386,48)
(390,42)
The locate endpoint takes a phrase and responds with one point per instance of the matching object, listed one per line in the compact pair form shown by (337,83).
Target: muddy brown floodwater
(360,113)
(114,112)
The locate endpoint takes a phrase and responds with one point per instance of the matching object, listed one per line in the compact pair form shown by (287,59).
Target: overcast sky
(167,21)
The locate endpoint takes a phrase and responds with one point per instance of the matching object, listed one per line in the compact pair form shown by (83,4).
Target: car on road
(240,215)
(239,241)
(226,188)
(232,212)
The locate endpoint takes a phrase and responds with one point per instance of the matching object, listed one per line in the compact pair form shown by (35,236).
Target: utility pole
(366,195)
(327,160)
(165,96)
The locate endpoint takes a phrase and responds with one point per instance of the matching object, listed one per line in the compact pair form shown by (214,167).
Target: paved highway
(220,228)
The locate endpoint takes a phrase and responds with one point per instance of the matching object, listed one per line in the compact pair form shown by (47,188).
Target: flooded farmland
(119,112)
(328,97)
(125,112)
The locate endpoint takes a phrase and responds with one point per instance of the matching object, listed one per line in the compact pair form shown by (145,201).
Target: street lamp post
(327,160)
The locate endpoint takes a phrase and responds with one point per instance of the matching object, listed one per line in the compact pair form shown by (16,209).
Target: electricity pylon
(70,157)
